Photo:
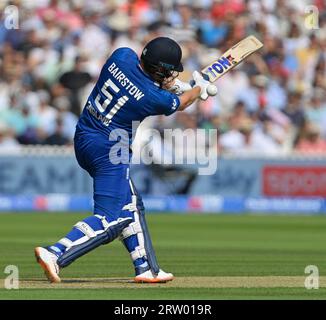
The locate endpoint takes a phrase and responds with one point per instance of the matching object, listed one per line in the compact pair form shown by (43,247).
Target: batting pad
(93,240)
(139,227)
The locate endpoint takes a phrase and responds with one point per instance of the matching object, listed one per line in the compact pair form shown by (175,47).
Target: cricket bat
(231,58)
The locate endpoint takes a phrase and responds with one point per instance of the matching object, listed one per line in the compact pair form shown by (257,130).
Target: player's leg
(110,187)
(137,241)
(85,236)
(110,191)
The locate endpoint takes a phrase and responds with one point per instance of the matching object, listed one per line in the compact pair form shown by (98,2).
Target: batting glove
(202,83)
(179,87)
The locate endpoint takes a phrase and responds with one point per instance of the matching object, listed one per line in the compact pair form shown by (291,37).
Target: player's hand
(179,87)
(202,83)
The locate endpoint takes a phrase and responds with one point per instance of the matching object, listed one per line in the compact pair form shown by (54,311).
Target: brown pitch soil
(178,282)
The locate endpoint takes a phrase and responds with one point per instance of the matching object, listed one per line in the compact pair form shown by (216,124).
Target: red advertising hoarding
(294,181)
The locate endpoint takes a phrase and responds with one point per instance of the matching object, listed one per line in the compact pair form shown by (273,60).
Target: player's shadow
(99,280)
(102,280)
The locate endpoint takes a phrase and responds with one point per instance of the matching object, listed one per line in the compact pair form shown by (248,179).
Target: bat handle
(205,76)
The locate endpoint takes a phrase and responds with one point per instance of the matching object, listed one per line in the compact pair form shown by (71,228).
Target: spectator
(29,126)
(69,120)
(23,122)
(311,142)
(57,52)
(294,109)
(74,81)
(254,96)
(7,140)
(315,110)
(58,137)
(47,114)
(249,140)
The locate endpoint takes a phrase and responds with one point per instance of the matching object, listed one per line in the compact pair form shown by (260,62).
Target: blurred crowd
(274,102)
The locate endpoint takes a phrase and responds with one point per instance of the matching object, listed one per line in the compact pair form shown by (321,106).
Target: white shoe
(48,261)
(148,277)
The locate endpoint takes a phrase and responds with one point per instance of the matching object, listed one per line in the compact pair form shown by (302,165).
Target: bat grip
(205,76)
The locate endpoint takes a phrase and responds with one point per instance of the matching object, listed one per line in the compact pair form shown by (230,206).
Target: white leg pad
(138,253)
(133,228)
(85,229)
(66,242)
(132,206)
(105,223)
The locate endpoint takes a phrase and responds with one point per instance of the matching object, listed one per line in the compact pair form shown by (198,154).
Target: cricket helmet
(162,57)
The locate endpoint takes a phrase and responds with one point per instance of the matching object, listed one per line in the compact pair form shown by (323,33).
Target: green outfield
(212,257)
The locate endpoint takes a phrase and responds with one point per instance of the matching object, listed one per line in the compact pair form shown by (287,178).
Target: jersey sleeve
(165,102)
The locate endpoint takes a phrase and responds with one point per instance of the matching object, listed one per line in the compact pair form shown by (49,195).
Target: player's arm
(182,94)
(199,90)
(189,97)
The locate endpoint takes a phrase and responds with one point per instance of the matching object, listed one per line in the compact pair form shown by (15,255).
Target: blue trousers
(110,181)
(113,190)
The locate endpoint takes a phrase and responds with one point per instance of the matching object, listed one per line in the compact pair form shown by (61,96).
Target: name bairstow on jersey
(125,82)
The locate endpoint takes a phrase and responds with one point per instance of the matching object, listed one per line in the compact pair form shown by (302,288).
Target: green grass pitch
(211,256)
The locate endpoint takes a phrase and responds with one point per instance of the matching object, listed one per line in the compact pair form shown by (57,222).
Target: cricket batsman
(128,89)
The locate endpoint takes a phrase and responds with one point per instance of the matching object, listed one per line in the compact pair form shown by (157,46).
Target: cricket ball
(211,90)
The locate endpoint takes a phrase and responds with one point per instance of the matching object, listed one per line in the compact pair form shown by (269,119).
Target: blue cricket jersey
(122,94)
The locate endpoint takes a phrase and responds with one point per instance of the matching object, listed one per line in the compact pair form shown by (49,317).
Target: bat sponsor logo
(231,58)
(221,65)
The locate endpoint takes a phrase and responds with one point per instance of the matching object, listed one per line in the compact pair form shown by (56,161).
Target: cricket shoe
(48,262)
(149,277)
